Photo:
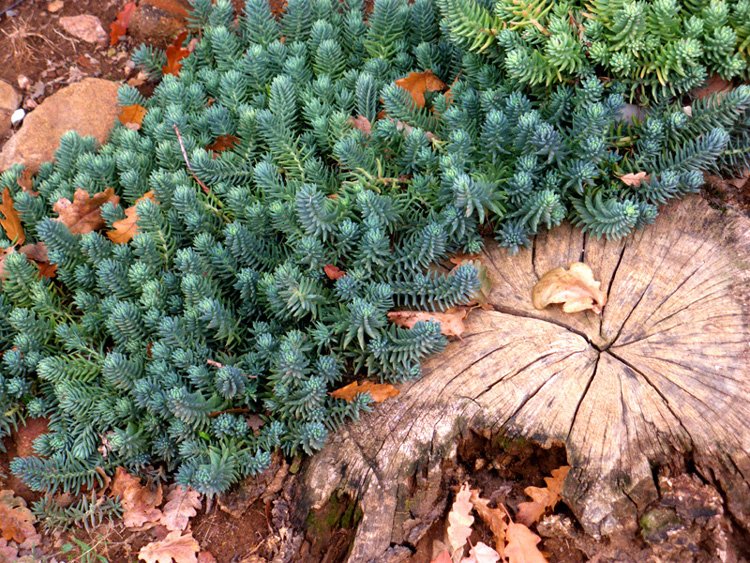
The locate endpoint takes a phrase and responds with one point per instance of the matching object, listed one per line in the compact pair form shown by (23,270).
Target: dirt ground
(257,521)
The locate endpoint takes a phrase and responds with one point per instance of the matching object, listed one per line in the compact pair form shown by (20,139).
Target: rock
(158,22)
(17,117)
(9,101)
(85,27)
(89,107)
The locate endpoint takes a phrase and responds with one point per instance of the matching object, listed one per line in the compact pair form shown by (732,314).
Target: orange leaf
(16,521)
(138,502)
(223,142)
(35,252)
(543,498)
(362,123)
(181,549)
(175,53)
(451,322)
(119,27)
(575,288)
(125,229)
(333,272)
(521,547)
(495,518)
(417,83)
(26,182)
(378,391)
(182,504)
(84,214)
(635,179)
(443,557)
(132,116)
(460,519)
(10,220)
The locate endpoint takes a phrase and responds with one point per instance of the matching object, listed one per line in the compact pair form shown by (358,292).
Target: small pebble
(17,117)
(55,6)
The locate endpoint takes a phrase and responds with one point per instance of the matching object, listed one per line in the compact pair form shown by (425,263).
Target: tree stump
(661,378)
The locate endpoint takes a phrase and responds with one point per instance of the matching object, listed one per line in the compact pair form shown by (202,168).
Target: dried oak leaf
(132,116)
(575,288)
(495,518)
(362,123)
(138,501)
(417,83)
(543,497)
(125,229)
(481,553)
(460,519)
(451,322)
(26,182)
(10,220)
(175,547)
(378,391)
(182,504)
(223,143)
(16,521)
(119,27)
(35,252)
(521,547)
(84,214)
(175,53)
(333,272)
(635,179)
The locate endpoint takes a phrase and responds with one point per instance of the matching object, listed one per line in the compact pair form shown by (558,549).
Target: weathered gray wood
(661,376)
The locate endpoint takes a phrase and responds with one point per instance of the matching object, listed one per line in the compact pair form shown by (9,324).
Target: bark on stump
(660,377)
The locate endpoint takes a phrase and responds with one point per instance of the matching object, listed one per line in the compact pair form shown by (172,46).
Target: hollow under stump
(660,378)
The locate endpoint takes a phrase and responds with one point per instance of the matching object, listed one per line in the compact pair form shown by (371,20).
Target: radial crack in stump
(659,378)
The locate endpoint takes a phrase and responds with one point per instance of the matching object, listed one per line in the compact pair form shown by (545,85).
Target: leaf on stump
(481,553)
(16,520)
(175,53)
(138,501)
(119,27)
(181,549)
(575,288)
(378,391)
(333,272)
(124,230)
(182,504)
(543,497)
(521,547)
(460,519)
(362,123)
(451,322)
(495,518)
(132,116)
(223,143)
(417,83)
(84,214)
(10,220)
(635,179)
(482,296)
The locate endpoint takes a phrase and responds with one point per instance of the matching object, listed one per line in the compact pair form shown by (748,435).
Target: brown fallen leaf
(206,557)
(139,503)
(223,143)
(16,520)
(35,252)
(333,272)
(460,519)
(635,179)
(575,288)
(10,220)
(84,214)
(451,322)
(543,497)
(119,27)
(181,549)
(182,504)
(132,116)
(125,229)
(482,296)
(362,123)
(378,391)
(175,53)
(443,557)
(481,553)
(714,85)
(495,518)
(521,547)
(417,83)
(26,182)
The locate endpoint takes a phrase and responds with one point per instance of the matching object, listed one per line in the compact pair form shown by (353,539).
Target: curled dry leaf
(451,322)
(333,272)
(522,545)
(175,547)
(460,519)
(481,553)
(125,229)
(182,504)
(132,116)
(495,518)
(175,53)
(10,220)
(84,214)
(417,83)
(138,501)
(378,391)
(635,179)
(16,521)
(119,27)
(575,288)
(543,497)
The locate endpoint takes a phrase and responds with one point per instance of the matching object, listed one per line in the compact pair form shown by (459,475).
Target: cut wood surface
(660,378)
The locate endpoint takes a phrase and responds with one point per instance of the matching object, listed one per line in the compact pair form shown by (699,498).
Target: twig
(187,162)
(236,410)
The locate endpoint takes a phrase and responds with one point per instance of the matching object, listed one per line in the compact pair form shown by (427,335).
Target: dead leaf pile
(378,391)
(125,229)
(575,288)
